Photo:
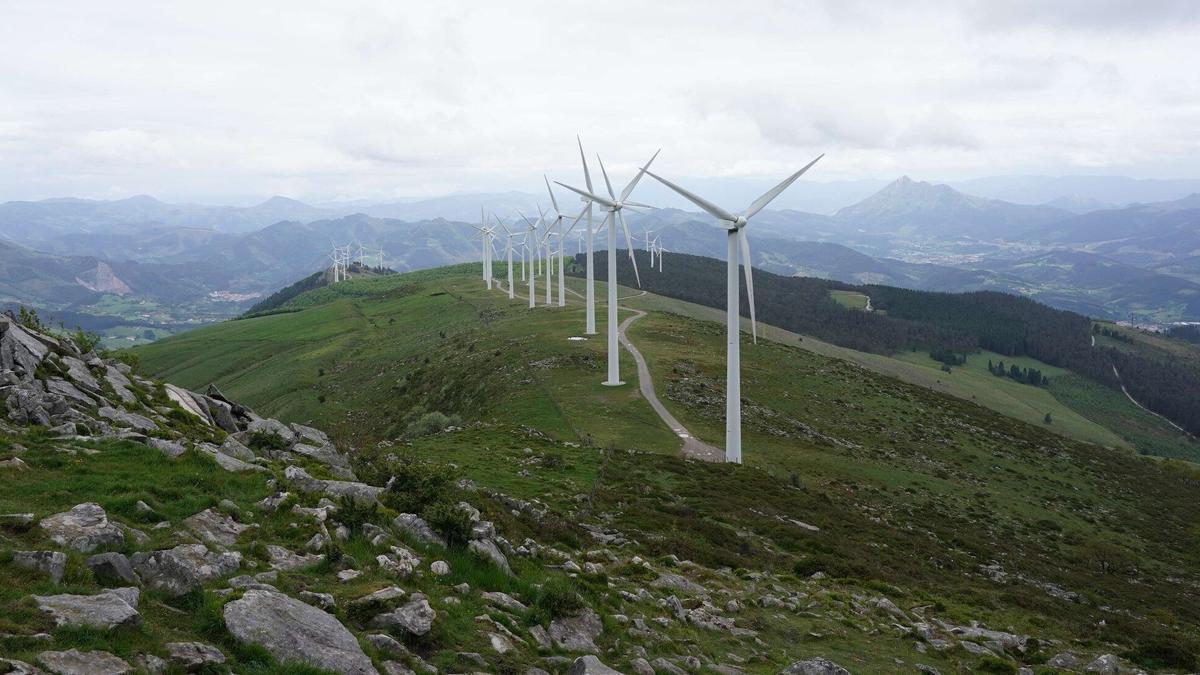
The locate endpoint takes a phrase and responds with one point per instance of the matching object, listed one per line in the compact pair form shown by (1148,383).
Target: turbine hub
(739,223)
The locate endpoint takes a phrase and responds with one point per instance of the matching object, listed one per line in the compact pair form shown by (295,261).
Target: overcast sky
(212,101)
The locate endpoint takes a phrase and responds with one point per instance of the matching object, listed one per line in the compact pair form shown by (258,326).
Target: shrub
(448,520)
(354,515)
(266,441)
(431,423)
(417,483)
(556,598)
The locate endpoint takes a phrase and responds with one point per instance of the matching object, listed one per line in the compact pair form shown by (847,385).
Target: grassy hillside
(925,493)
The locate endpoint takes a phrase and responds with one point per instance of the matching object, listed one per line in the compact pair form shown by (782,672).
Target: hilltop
(999,542)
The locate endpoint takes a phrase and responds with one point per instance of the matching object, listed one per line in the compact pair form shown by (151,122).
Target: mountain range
(180,263)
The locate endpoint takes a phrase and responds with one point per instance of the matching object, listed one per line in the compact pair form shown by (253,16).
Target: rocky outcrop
(179,570)
(84,528)
(192,656)
(415,617)
(51,563)
(216,528)
(106,610)
(590,665)
(295,631)
(416,527)
(577,633)
(815,666)
(75,662)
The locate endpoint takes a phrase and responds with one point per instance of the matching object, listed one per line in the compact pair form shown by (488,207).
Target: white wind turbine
(590,293)
(508,251)
(556,227)
(531,233)
(614,205)
(485,236)
(738,245)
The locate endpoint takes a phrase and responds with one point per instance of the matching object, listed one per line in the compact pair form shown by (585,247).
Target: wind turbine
(336,269)
(559,217)
(485,236)
(738,245)
(508,250)
(590,294)
(531,233)
(614,205)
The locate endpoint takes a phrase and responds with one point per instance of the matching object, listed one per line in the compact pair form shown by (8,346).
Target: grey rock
(504,601)
(215,527)
(283,559)
(120,384)
(322,600)
(19,667)
(272,426)
(150,664)
(220,412)
(397,668)
(439,568)
(232,464)
(361,493)
(641,666)
(171,449)
(84,528)
(325,454)
(591,665)
(188,402)
(677,582)
(69,392)
(387,644)
(416,527)
(309,435)
(127,419)
(294,631)
(1065,661)
(51,563)
(273,502)
(487,549)
(178,570)
(75,662)
(1106,664)
(662,665)
(233,448)
(577,633)
(17,521)
(415,617)
(106,610)
(814,666)
(541,637)
(78,372)
(193,656)
(113,566)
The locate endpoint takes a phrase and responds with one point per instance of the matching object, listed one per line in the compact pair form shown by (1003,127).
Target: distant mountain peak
(279,201)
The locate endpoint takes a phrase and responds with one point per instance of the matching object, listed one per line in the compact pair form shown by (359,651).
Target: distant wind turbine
(738,245)
(614,206)
(508,250)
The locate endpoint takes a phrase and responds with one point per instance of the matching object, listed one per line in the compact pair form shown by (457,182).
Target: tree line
(940,323)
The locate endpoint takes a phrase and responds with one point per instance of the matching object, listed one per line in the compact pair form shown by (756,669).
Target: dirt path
(1133,400)
(693,448)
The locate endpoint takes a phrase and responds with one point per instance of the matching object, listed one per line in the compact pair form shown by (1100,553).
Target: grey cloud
(1081,14)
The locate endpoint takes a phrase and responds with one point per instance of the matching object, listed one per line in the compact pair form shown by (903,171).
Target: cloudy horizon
(336,101)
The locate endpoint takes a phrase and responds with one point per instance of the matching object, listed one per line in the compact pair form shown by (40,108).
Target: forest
(945,324)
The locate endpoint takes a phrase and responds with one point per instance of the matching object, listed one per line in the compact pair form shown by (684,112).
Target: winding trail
(692,448)
(1117,374)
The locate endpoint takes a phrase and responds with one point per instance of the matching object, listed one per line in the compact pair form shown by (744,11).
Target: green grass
(910,488)
(850,299)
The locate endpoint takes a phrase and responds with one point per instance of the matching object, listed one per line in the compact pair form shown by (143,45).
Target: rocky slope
(155,529)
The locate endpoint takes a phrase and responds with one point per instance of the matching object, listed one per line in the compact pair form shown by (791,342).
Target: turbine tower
(508,250)
(614,205)
(738,245)
(590,293)
(531,233)
(557,227)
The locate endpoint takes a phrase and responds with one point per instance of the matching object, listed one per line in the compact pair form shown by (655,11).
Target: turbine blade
(576,221)
(629,243)
(744,244)
(639,205)
(716,211)
(587,175)
(552,199)
(594,197)
(761,203)
(633,183)
(607,182)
